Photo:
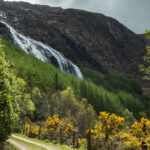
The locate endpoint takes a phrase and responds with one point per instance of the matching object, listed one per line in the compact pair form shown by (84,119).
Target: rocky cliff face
(88,39)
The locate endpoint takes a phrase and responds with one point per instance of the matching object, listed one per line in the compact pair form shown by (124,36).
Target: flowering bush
(106,134)
(52,124)
(138,135)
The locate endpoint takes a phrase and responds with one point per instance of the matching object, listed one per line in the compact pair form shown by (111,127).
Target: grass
(61,147)
(8,146)
(28,145)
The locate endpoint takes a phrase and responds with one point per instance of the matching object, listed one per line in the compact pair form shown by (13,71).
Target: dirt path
(18,145)
(28,141)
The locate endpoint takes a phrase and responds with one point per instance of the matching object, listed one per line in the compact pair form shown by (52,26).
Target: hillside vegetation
(42,102)
(112,93)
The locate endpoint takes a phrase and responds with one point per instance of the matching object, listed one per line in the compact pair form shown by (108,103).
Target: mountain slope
(113,94)
(89,40)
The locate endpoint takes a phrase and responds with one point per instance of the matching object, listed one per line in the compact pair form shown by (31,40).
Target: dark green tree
(6,105)
(12,99)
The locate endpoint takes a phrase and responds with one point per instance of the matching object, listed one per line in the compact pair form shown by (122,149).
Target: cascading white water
(44,52)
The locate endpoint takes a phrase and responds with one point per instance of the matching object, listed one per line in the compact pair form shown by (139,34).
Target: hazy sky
(135,14)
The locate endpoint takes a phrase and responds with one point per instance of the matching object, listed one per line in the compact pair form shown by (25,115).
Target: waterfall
(44,52)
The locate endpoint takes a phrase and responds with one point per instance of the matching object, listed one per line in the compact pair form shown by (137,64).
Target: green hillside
(112,93)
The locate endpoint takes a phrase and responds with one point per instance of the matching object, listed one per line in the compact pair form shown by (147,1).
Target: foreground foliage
(8,146)
(11,91)
(6,105)
(109,133)
(13,102)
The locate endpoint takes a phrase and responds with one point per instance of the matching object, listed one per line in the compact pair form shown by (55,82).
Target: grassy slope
(8,146)
(113,82)
(34,71)
(42,75)
(61,147)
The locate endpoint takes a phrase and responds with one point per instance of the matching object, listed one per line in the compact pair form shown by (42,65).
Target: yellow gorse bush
(35,130)
(69,129)
(106,134)
(137,134)
(82,141)
(110,122)
(27,128)
(53,122)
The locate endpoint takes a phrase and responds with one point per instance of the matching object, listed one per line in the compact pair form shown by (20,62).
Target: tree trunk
(74,139)
(144,146)
(60,135)
(39,133)
(1,145)
(107,136)
(89,147)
